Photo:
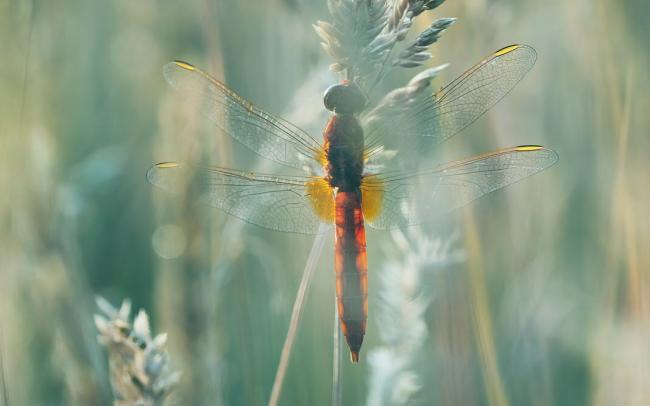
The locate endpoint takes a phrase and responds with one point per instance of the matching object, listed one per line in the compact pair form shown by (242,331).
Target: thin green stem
(336,373)
(298,305)
(4,396)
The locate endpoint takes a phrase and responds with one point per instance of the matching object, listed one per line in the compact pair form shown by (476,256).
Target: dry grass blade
(296,313)
(4,396)
(494,388)
(336,364)
(26,70)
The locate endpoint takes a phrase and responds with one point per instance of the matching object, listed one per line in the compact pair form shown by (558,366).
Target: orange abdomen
(351,267)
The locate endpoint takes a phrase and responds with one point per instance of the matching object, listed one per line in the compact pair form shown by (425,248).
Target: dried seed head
(138,364)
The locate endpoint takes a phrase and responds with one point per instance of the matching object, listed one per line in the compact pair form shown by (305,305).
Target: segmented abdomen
(351,267)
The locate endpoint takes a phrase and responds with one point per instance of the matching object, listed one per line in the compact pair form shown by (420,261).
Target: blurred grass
(556,265)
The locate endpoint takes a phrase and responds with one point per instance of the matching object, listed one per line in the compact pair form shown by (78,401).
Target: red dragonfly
(338,185)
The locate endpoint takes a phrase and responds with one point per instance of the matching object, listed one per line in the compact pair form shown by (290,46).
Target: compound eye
(346,98)
(332,97)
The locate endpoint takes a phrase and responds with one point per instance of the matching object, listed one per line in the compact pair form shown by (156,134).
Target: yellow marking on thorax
(321,156)
(506,50)
(366,155)
(372,196)
(321,196)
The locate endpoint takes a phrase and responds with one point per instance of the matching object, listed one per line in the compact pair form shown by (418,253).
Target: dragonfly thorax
(344,150)
(345,98)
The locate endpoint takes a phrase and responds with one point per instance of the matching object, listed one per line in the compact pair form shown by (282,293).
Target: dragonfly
(336,185)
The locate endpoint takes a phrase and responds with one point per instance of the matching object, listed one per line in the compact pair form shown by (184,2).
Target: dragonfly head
(345,98)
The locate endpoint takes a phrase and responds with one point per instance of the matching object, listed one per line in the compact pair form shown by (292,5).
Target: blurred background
(536,295)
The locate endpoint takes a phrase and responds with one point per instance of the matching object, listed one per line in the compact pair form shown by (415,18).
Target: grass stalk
(494,388)
(4,396)
(336,362)
(296,313)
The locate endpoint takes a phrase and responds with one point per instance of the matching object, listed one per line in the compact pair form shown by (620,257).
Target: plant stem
(336,374)
(298,304)
(4,396)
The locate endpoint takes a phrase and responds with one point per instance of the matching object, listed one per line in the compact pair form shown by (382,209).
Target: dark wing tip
(516,47)
(552,156)
(513,47)
(182,64)
(531,147)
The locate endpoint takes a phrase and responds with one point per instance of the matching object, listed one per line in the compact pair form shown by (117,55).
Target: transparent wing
(410,199)
(273,202)
(265,134)
(456,105)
